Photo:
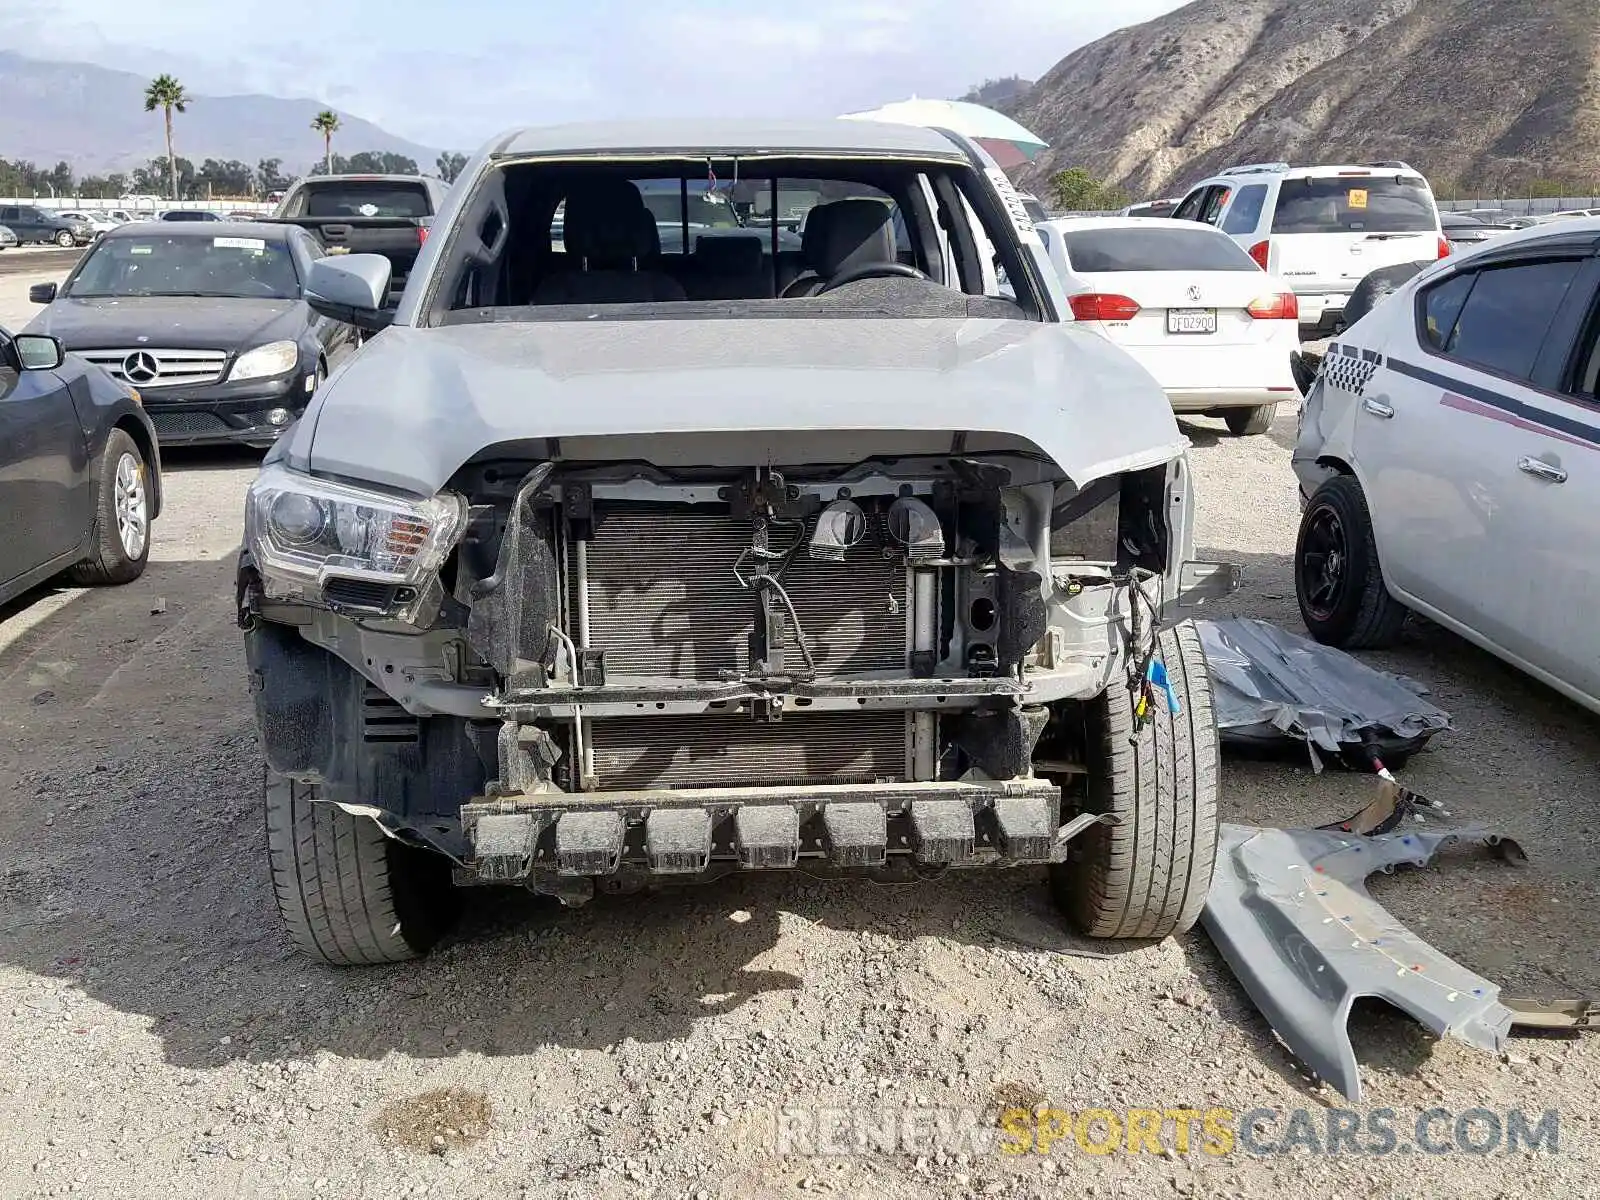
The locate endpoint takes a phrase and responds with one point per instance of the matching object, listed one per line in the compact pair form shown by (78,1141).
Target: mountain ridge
(1478,94)
(93,118)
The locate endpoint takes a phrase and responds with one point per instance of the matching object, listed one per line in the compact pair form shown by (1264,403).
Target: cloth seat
(728,267)
(840,237)
(611,237)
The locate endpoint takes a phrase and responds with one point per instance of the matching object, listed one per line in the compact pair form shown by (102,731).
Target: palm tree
(327,124)
(167,94)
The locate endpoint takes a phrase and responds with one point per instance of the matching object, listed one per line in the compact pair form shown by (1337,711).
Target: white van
(1322,229)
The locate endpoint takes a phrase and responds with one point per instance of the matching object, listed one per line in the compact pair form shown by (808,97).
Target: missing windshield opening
(606,237)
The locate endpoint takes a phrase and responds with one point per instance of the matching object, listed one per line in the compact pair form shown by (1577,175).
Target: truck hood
(415,404)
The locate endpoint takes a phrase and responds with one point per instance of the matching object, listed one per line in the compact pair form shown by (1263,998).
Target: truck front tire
(348,893)
(1148,875)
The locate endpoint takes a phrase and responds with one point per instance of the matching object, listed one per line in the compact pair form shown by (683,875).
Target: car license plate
(1191,320)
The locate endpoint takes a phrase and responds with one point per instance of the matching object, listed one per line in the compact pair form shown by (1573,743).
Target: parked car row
(161,335)
(80,226)
(29,223)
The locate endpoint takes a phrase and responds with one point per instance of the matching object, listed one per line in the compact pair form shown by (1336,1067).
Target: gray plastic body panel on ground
(1290,912)
(1269,684)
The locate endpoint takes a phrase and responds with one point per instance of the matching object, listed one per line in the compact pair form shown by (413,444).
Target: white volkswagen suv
(1449,460)
(1322,229)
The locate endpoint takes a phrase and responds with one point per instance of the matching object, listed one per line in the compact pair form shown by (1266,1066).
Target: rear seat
(728,267)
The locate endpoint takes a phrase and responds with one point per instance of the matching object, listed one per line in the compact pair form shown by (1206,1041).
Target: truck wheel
(1245,422)
(1148,875)
(1337,577)
(348,893)
(119,539)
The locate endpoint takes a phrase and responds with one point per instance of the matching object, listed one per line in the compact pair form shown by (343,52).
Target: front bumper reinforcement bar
(535,839)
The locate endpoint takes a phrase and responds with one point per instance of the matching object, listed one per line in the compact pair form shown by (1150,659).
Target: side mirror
(42,293)
(38,351)
(351,288)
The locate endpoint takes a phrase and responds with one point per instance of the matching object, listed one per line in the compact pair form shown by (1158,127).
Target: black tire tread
(337,878)
(1378,617)
(1148,876)
(1247,422)
(107,562)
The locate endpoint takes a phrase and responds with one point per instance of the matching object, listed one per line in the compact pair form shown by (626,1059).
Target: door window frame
(1564,342)
(1211,210)
(1200,195)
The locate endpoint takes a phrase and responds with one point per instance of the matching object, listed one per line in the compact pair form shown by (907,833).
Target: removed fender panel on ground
(1273,688)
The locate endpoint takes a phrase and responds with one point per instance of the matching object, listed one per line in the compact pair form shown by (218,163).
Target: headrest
(847,234)
(728,254)
(608,225)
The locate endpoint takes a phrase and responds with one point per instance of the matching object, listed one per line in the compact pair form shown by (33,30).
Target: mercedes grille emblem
(141,367)
(1194,293)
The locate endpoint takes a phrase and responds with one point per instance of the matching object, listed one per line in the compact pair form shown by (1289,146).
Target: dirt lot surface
(27,260)
(161,1038)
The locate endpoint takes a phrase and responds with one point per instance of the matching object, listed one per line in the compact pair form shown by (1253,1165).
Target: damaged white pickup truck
(644,545)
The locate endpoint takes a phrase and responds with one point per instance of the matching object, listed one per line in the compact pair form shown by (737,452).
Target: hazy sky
(452,72)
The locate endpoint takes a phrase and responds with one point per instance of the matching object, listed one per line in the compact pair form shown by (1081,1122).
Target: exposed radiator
(663,600)
(720,749)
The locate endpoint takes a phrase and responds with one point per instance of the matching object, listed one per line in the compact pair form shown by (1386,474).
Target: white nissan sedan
(1449,460)
(1189,305)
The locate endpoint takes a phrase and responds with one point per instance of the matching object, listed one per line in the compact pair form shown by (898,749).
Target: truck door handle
(1378,408)
(1541,469)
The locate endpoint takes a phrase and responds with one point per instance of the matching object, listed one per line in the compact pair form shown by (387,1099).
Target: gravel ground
(161,1037)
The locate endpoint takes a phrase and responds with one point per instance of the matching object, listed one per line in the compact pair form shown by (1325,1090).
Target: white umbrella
(1008,143)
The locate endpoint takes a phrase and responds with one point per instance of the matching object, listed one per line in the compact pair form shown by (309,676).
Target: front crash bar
(687,831)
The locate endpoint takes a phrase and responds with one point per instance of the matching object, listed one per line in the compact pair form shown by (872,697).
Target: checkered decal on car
(1350,369)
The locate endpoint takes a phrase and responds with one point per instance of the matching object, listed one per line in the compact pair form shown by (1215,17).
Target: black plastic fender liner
(320,720)
(293,684)
(1290,912)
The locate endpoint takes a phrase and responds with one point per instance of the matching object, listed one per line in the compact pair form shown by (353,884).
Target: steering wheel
(877,270)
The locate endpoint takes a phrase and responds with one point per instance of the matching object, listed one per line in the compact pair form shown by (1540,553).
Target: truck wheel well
(1335,464)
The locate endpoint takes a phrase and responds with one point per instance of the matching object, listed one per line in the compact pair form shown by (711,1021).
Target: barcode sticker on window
(233,243)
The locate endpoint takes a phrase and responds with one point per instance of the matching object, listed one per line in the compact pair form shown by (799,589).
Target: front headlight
(275,358)
(303,531)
